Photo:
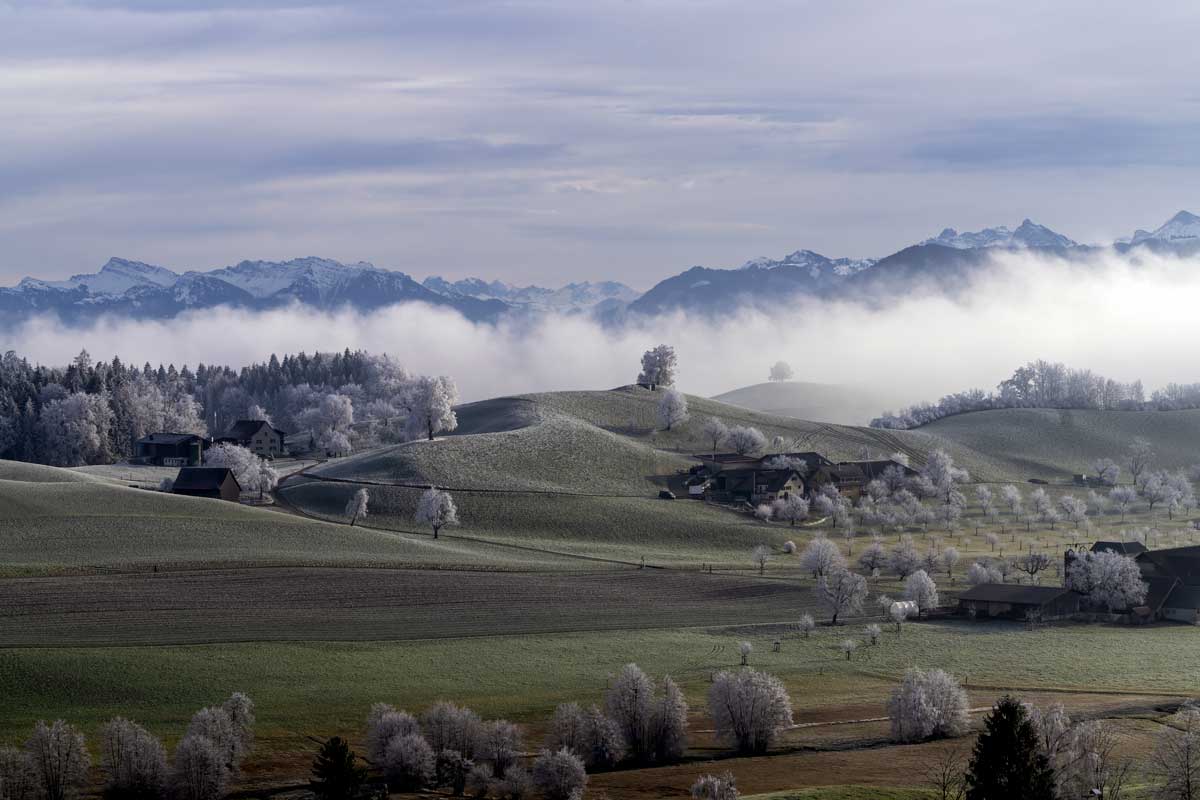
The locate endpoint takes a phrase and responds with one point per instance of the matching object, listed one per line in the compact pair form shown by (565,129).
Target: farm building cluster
(739,478)
(187,449)
(1172,578)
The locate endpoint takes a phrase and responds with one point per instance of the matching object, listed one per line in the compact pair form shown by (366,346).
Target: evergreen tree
(337,775)
(1007,762)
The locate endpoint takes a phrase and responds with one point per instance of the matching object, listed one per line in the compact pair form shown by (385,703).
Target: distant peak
(1185,218)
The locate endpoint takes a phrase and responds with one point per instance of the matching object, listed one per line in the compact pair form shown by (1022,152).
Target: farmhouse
(755,485)
(256,435)
(214,482)
(1123,548)
(873,469)
(1014,601)
(170,449)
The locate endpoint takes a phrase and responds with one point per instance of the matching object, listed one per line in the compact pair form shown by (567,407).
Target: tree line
(92,412)
(1045,384)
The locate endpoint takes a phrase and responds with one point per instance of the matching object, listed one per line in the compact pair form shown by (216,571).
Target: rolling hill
(817,402)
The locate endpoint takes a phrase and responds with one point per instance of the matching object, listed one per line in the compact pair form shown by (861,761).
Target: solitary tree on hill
(658,367)
(356,508)
(781,371)
(672,409)
(436,509)
(1007,760)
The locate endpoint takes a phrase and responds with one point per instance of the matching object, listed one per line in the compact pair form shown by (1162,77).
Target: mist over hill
(819,402)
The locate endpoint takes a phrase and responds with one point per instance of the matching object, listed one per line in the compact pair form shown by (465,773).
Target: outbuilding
(1014,601)
(214,482)
(170,449)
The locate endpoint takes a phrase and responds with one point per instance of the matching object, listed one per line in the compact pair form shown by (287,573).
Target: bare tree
(749,708)
(199,771)
(356,507)
(760,555)
(134,762)
(1175,762)
(927,704)
(841,592)
(946,773)
(1032,563)
(1096,766)
(559,775)
(672,409)
(60,759)
(1139,456)
(436,509)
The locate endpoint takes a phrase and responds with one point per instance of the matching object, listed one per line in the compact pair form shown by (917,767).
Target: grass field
(816,402)
(535,600)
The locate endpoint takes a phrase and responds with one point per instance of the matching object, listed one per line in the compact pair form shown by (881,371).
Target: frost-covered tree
(763,512)
(715,787)
(942,473)
(873,632)
(1139,456)
(904,559)
(672,409)
(744,650)
(669,723)
(76,430)
(841,592)
(981,573)
(630,703)
(356,507)
(658,367)
(1073,509)
(1175,763)
(821,556)
(385,724)
(848,647)
(806,625)
(781,371)
(1107,471)
(589,734)
(749,708)
(60,760)
(199,771)
(251,472)
(928,704)
(1110,580)
(1012,498)
(760,555)
(790,509)
(873,557)
(430,407)
(920,588)
(950,556)
(133,761)
(1122,497)
(436,509)
(409,762)
(446,726)
(714,431)
(1157,488)
(746,440)
(559,775)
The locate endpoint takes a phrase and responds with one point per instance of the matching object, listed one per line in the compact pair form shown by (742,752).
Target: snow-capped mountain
(574,297)
(1028,234)
(816,264)
(1183,227)
(132,288)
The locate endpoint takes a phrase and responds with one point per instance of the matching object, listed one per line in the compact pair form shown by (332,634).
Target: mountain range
(132,288)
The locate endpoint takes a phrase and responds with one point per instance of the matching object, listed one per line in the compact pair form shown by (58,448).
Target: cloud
(1125,319)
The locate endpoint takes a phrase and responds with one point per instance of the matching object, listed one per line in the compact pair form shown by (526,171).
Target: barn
(169,449)
(1013,601)
(214,482)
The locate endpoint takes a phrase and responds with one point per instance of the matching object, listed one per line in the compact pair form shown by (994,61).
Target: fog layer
(1122,319)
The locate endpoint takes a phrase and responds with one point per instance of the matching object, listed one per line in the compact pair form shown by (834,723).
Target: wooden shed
(215,482)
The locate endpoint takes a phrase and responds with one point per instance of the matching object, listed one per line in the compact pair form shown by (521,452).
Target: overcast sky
(556,141)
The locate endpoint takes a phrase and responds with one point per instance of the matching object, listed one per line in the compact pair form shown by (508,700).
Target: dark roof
(1124,548)
(874,469)
(846,473)
(245,429)
(747,479)
(1183,597)
(1013,593)
(202,479)
(727,458)
(1180,562)
(169,438)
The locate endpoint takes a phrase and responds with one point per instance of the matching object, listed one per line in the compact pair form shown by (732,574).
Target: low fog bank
(1124,320)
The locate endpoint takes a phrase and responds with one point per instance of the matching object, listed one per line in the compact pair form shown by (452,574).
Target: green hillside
(818,402)
(57,520)
(1014,444)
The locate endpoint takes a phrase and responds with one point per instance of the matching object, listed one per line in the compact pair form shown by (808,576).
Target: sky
(549,142)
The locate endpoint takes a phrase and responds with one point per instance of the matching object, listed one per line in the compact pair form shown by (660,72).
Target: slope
(818,402)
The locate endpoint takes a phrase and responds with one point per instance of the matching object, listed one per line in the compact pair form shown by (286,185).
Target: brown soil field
(312,604)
